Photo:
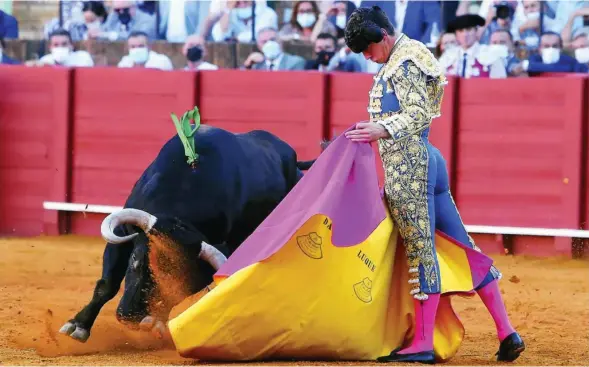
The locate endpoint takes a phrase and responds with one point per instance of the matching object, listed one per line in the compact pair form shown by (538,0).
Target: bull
(185,220)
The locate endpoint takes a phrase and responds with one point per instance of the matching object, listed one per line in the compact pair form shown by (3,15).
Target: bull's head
(170,262)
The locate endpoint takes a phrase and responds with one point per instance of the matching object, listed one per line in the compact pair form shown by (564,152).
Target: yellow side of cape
(312,300)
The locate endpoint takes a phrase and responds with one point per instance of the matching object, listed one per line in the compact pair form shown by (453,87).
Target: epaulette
(409,49)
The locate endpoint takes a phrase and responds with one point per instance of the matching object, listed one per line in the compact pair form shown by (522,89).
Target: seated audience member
(8,26)
(195,51)
(502,43)
(95,15)
(306,23)
(140,56)
(338,15)
(580,45)
(529,29)
(328,60)
(4,59)
(577,20)
(413,18)
(551,58)
(448,40)
(62,52)
(272,56)
(471,59)
(125,18)
(181,18)
(235,22)
(500,16)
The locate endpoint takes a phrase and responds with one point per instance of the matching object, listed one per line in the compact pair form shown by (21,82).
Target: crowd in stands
(499,39)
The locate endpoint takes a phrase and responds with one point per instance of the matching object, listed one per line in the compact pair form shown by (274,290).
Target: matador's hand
(367,132)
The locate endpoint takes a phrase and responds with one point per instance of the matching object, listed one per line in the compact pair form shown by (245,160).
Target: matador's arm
(413,117)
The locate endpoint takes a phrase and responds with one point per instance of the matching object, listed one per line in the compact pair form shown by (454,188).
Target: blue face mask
(243,13)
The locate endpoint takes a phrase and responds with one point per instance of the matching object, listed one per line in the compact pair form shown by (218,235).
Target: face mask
(60,54)
(139,55)
(550,55)
(581,54)
(125,16)
(94,25)
(500,50)
(532,41)
(271,50)
(323,57)
(194,53)
(534,15)
(243,13)
(340,21)
(306,20)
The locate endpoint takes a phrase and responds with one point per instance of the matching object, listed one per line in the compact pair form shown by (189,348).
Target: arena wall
(516,149)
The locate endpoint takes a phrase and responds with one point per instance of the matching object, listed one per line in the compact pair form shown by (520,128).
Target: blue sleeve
(11,27)
(539,67)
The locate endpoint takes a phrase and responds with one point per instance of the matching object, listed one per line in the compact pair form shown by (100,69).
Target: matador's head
(366,27)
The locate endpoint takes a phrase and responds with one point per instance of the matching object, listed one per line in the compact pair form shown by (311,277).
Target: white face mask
(271,50)
(340,21)
(550,55)
(534,15)
(243,13)
(306,19)
(500,50)
(60,54)
(581,54)
(532,41)
(139,55)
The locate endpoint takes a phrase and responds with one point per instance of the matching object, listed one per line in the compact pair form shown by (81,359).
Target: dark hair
(364,28)
(2,44)
(504,31)
(95,7)
(550,33)
(60,32)
(137,34)
(325,36)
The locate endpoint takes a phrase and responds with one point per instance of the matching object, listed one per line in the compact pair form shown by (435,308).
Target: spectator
(272,56)
(71,13)
(181,18)
(140,56)
(415,19)
(324,48)
(94,14)
(574,24)
(447,41)
(306,23)
(581,45)
(235,22)
(338,15)
(500,16)
(5,60)
(216,11)
(529,29)
(471,59)
(551,58)
(62,52)
(195,52)
(502,43)
(8,26)
(125,18)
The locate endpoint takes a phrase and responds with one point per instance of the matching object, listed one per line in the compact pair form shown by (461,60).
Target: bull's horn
(211,255)
(137,217)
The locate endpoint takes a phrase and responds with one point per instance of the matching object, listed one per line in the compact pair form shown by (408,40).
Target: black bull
(205,211)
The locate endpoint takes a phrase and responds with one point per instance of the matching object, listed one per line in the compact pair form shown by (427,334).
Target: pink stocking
(425,317)
(492,299)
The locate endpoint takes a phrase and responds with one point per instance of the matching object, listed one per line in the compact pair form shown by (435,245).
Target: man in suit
(181,18)
(8,26)
(125,18)
(415,19)
(272,56)
(551,58)
(5,60)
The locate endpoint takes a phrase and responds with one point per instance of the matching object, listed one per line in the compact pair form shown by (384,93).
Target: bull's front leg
(114,265)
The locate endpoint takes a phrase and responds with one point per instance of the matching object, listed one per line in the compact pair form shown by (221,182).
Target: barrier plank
(519,147)
(288,104)
(121,120)
(34,104)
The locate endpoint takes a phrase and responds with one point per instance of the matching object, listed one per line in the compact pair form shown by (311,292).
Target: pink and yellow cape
(324,277)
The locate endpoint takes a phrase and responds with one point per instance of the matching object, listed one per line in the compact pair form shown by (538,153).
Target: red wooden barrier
(121,119)
(34,105)
(288,104)
(520,153)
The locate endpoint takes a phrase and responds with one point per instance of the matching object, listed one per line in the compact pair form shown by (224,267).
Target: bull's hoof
(75,332)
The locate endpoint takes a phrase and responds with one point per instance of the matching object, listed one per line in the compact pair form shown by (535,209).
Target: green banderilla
(186,132)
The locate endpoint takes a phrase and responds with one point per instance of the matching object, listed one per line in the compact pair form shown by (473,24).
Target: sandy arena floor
(45,281)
